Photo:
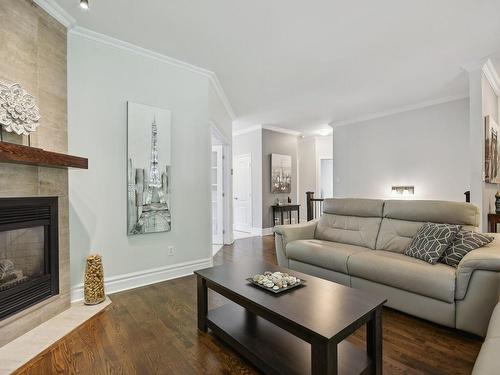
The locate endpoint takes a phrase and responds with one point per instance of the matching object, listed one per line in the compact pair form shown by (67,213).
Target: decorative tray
(276,282)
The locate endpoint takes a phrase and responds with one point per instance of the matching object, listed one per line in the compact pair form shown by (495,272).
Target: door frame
(227,172)
(249,155)
(218,239)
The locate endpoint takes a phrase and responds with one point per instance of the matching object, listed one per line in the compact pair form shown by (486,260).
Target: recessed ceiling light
(325,131)
(84,4)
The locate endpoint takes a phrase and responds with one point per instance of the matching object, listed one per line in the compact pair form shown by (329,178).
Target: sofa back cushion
(350,221)
(402,219)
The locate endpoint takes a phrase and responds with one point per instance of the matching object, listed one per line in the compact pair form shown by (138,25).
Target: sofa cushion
(402,219)
(432,211)
(352,230)
(350,221)
(403,272)
(464,242)
(396,235)
(487,360)
(353,207)
(431,241)
(325,254)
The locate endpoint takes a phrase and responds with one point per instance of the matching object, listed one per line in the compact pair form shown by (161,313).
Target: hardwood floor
(153,330)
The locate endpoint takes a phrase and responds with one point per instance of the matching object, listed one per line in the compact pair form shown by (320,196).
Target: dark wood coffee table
(302,331)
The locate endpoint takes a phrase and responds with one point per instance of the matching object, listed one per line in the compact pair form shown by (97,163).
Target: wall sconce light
(84,4)
(404,190)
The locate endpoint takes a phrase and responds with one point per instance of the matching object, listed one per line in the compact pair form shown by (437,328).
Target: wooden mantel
(20,154)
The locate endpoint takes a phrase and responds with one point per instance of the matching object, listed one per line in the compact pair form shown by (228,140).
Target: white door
(217,196)
(242,189)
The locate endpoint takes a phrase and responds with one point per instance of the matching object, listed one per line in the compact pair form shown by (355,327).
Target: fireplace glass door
(29,252)
(22,256)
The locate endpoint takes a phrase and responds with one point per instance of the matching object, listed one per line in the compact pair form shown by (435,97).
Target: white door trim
(218,237)
(227,183)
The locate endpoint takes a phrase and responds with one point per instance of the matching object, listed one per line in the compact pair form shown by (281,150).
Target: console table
(280,210)
(493,220)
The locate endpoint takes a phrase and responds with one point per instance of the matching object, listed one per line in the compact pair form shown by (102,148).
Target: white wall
(427,148)
(219,116)
(101,79)
(307,172)
(324,150)
(251,143)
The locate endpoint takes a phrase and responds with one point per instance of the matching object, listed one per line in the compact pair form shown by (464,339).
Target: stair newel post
(309,205)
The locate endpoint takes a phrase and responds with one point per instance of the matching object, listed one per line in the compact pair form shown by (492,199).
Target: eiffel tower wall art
(148,171)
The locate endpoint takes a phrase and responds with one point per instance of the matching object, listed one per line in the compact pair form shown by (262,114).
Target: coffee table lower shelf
(274,350)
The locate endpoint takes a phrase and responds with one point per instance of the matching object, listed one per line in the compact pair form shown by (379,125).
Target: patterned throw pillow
(464,242)
(431,241)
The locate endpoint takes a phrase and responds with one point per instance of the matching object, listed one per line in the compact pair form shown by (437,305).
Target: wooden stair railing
(314,206)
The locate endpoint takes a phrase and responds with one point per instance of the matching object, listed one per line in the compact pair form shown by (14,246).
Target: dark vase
(497,202)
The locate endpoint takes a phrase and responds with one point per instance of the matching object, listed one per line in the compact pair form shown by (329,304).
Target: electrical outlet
(170,251)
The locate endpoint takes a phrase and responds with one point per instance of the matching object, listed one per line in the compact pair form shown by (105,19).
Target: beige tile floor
(21,350)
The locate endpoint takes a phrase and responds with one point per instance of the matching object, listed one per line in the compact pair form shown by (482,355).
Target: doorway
(242,194)
(220,181)
(326,178)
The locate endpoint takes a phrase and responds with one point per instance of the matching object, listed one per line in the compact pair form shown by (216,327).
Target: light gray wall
(221,119)
(251,143)
(276,143)
(307,171)
(101,79)
(428,148)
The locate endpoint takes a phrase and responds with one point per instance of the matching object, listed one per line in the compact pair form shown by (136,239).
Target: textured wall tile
(33,50)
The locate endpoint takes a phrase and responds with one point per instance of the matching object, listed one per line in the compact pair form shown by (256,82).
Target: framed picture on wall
(149,162)
(281,173)
(491,152)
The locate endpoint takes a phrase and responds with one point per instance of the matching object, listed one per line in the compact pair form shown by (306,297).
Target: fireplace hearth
(29,271)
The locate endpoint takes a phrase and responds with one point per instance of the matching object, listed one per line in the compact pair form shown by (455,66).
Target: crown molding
(56,11)
(221,94)
(491,76)
(406,108)
(129,47)
(247,130)
(281,130)
(475,65)
(266,127)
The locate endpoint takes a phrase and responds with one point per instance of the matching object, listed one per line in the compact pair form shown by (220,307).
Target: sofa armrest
(486,258)
(288,233)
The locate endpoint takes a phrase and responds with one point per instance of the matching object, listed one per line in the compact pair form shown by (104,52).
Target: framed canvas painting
(148,167)
(281,173)
(491,154)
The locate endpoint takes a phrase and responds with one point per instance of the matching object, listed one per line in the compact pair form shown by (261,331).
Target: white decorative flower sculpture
(18,110)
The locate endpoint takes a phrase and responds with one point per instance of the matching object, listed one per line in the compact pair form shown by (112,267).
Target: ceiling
(301,64)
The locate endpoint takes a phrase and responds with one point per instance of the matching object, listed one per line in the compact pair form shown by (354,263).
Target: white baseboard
(262,231)
(137,279)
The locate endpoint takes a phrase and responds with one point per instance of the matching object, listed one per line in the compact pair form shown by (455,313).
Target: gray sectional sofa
(360,243)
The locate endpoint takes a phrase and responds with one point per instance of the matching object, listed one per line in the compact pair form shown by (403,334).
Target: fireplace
(29,270)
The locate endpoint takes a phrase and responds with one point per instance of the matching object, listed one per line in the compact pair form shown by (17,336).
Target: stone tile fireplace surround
(33,51)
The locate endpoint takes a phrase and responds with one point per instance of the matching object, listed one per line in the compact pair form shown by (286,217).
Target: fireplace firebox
(29,252)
